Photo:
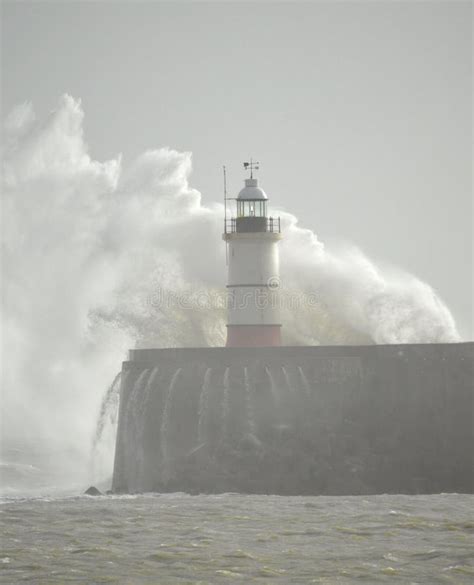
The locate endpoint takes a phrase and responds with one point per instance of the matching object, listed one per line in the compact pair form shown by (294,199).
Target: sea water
(232,538)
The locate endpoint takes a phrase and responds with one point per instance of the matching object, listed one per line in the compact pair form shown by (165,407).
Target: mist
(95,255)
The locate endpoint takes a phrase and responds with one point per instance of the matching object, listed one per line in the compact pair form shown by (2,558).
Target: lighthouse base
(253,335)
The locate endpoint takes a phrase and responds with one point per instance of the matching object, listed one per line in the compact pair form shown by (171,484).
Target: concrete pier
(297,420)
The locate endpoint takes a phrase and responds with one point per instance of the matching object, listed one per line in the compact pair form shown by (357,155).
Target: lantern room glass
(251,208)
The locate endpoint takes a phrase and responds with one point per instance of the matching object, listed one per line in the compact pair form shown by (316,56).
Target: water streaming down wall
(108,410)
(306,420)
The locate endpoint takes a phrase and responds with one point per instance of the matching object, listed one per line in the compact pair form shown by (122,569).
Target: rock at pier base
(93,491)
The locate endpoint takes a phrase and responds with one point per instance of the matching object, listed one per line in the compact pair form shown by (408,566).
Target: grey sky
(360,112)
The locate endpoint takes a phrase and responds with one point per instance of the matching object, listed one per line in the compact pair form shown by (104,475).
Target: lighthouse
(252,237)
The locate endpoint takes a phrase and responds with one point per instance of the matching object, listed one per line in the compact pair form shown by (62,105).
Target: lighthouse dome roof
(252,191)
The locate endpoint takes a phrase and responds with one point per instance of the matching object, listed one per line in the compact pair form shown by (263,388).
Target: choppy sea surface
(230,538)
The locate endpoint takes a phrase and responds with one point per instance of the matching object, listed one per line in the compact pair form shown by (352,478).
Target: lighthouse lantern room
(253,269)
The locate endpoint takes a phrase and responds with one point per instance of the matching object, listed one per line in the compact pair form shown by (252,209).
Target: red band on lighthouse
(253,335)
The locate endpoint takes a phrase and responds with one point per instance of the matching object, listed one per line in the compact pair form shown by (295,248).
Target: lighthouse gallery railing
(272,224)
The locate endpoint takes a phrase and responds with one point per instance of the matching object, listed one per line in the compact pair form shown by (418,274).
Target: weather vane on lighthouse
(252,165)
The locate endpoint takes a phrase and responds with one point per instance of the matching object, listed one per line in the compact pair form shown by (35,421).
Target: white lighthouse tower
(253,269)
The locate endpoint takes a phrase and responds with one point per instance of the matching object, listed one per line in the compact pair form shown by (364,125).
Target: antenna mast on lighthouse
(225,215)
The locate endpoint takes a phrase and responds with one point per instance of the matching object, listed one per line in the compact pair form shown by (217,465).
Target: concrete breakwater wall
(297,420)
